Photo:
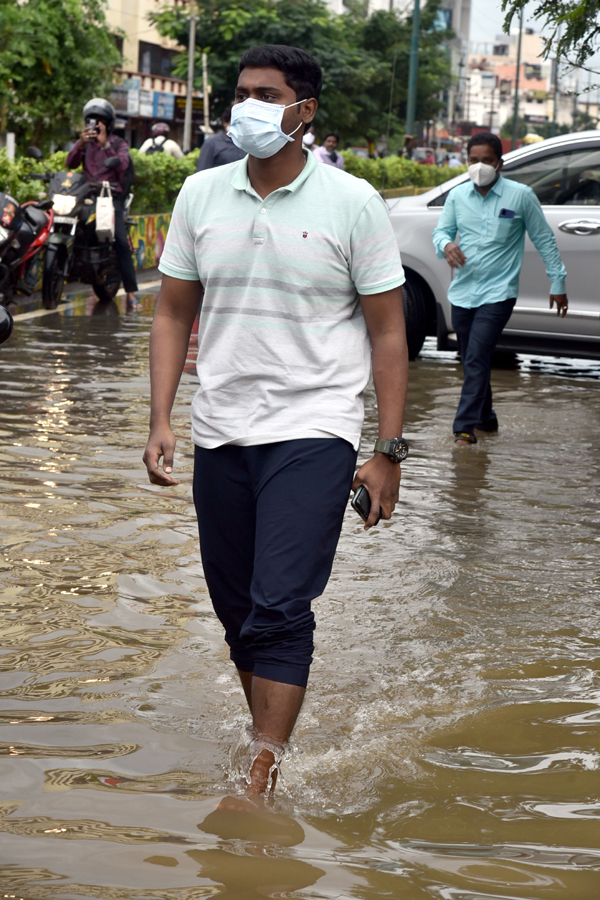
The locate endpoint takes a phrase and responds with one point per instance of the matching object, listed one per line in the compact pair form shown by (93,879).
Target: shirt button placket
(259,226)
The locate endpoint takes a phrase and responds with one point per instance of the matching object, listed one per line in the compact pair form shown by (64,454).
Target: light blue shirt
(492,237)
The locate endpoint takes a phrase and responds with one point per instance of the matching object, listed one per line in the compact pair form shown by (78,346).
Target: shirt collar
(241,182)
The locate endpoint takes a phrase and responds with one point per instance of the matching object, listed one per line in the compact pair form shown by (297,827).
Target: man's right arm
(444,234)
(176,309)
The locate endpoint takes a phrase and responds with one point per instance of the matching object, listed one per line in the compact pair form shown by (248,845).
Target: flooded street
(449,746)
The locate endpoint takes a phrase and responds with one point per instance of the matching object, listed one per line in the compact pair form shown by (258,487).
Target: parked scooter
(6,324)
(24,229)
(74,250)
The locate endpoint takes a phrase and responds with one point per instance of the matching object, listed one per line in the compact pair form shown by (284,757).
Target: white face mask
(481,174)
(308,139)
(256,127)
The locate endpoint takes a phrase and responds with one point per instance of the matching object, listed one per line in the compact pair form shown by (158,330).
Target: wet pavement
(449,745)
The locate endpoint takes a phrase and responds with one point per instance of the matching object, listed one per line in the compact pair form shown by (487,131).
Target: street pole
(513,143)
(413,66)
(555,104)
(187,122)
(205,95)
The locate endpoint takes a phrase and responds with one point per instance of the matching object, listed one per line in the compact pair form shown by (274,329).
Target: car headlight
(63,204)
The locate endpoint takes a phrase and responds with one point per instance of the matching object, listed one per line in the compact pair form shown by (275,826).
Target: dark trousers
(124,258)
(269,518)
(477,332)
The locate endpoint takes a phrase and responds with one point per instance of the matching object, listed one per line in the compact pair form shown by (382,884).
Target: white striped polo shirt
(283,349)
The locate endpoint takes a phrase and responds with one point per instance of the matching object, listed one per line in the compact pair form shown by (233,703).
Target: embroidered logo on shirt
(305,234)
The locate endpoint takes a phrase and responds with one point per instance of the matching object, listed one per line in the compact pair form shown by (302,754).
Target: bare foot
(259,773)
(463,443)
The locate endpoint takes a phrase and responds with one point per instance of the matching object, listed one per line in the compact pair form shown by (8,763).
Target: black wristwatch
(396,449)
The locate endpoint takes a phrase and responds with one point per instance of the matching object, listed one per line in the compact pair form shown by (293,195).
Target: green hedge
(395,171)
(159,177)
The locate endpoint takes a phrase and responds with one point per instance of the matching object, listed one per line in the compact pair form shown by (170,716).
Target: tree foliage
(573,25)
(364,58)
(54,56)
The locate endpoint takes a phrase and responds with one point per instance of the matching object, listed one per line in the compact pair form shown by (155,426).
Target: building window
(155,60)
(118,39)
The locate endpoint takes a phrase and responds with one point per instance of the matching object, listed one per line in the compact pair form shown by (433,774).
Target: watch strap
(383,446)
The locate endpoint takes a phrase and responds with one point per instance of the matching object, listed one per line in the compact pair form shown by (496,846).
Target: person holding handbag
(95,146)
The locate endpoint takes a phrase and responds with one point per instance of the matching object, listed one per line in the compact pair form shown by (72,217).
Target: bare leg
(246,679)
(275,708)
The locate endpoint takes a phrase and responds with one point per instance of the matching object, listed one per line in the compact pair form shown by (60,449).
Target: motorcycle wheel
(106,290)
(53,280)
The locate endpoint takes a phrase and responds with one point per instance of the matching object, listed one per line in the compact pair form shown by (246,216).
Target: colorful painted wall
(148,235)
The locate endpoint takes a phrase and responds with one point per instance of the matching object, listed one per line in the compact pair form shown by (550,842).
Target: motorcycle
(24,230)
(74,251)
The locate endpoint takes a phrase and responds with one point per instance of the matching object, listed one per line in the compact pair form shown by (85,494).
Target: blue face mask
(256,127)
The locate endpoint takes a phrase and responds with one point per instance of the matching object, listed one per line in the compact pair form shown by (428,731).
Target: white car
(564,173)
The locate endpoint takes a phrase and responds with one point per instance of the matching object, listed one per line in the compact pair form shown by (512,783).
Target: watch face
(399,449)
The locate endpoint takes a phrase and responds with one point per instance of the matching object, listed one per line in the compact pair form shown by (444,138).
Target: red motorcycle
(24,229)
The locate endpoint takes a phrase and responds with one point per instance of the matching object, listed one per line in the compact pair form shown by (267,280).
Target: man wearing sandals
(299,276)
(491,215)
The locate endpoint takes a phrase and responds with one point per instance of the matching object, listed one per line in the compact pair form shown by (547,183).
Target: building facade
(145,91)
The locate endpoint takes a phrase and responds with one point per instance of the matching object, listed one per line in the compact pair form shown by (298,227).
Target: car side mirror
(34,153)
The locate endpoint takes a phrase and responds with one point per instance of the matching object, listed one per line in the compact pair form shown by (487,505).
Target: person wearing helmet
(161,143)
(95,146)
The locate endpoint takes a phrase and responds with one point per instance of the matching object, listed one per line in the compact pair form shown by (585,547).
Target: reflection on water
(449,745)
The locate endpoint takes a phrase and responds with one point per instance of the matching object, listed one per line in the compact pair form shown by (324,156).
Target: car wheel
(415,314)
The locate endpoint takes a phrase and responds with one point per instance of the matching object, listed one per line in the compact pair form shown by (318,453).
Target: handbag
(105,214)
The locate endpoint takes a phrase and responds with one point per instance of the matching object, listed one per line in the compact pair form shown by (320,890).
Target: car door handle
(580,226)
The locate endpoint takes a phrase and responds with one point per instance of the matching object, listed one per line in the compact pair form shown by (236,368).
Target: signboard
(118,98)
(146,103)
(132,86)
(197,110)
(163,105)
(536,120)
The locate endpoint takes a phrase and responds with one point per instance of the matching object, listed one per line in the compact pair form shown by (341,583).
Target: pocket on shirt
(505,227)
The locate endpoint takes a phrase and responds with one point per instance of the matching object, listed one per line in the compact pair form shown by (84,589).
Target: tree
(357,53)
(574,25)
(54,56)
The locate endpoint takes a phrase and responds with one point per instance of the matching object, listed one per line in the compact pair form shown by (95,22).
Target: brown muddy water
(449,745)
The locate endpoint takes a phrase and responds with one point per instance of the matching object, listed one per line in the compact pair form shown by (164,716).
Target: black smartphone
(92,125)
(361,502)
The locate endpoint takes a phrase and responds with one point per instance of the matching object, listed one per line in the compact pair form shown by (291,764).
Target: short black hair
(226,114)
(486,137)
(332,134)
(302,73)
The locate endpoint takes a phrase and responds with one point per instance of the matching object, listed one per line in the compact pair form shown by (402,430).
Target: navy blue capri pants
(269,518)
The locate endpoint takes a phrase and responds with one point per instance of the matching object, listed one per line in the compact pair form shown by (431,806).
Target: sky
(486,24)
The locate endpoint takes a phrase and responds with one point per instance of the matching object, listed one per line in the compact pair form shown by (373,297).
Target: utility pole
(205,95)
(413,67)
(187,122)
(555,102)
(516,106)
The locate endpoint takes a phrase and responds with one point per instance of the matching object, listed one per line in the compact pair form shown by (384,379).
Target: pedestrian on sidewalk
(297,277)
(219,149)
(160,142)
(490,214)
(327,152)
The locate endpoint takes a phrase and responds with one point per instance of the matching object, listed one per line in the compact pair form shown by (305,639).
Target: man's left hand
(562,304)
(381,477)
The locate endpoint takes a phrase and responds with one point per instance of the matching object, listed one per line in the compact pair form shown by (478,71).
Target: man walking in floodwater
(491,215)
(300,279)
